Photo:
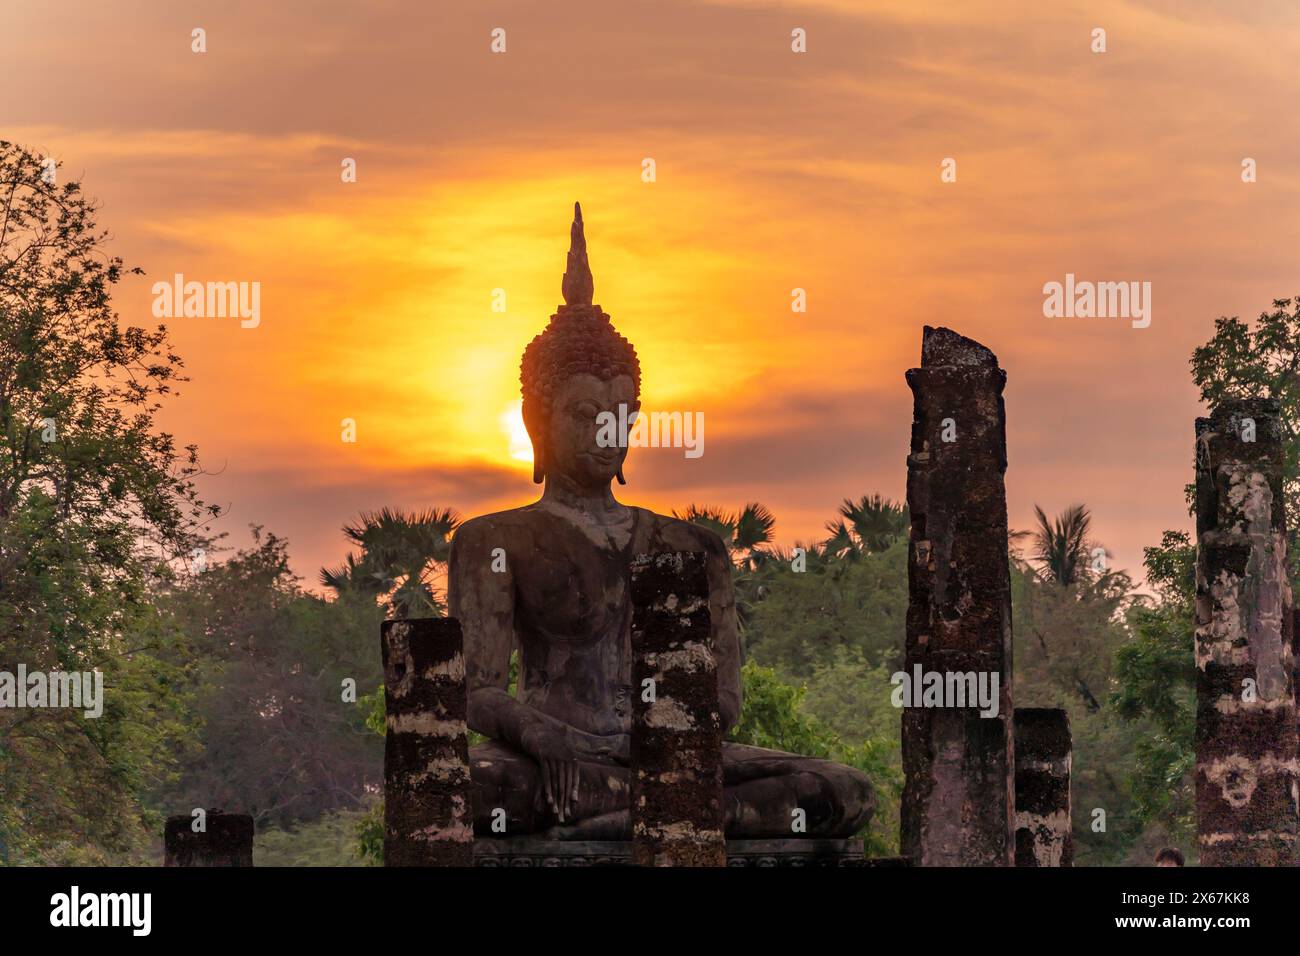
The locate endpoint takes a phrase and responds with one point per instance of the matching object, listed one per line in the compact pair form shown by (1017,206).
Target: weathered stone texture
(1246,772)
(958,800)
(676,747)
(227,840)
(427,799)
(1043,755)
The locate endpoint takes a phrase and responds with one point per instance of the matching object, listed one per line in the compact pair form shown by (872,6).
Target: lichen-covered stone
(1043,756)
(1246,746)
(676,746)
(958,802)
(428,810)
(226,840)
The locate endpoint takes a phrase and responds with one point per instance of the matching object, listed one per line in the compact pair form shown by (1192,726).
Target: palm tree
(744,533)
(400,552)
(1060,546)
(867,526)
(354,577)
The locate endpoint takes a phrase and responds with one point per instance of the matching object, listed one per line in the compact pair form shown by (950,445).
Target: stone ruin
(1246,734)
(982,788)
(226,839)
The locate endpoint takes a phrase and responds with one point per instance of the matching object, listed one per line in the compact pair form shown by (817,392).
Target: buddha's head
(577,368)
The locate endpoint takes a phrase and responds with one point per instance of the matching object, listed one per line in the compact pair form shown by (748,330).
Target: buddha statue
(556,758)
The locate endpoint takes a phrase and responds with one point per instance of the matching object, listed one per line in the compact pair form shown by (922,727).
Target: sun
(512,423)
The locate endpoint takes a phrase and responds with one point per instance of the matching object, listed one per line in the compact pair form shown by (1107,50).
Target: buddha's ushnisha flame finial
(577,285)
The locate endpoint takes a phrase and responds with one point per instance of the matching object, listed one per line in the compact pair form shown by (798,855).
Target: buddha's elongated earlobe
(619,476)
(539,468)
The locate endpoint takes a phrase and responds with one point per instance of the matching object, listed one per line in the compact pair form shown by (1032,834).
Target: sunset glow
(377,296)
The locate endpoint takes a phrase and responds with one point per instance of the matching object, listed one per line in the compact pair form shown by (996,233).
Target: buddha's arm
(483,600)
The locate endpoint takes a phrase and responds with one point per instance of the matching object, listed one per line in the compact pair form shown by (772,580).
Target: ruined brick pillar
(676,792)
(1044,834)
(958,791)
(428,810)
(1246,774)
(226,840)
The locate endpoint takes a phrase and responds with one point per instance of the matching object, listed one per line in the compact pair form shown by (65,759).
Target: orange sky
(775,170)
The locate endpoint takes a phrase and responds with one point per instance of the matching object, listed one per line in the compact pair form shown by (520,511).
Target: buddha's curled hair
(578,339)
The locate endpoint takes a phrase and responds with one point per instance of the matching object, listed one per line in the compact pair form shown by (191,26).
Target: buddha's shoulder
(505,526)
(675,534)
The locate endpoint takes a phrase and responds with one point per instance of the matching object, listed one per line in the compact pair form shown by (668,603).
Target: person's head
(578,367)
(1169,856)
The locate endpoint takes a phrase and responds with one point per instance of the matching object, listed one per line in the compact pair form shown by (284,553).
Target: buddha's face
(572,448)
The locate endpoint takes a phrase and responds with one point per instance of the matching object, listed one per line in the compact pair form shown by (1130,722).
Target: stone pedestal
(676,787)
(782,854)
(1246,774)
(1044,835)
(428,810)
(227,840)
(958,801)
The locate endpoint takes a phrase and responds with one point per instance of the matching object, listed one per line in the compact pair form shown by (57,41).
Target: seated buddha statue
(557,754)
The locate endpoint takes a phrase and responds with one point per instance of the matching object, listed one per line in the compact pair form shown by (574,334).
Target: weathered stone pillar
(226,840)
(676,792)
(1246,774)
(1044,834)
(428,809)
(958,792)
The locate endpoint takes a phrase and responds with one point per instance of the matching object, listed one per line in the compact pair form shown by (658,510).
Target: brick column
(1044,834)
(227,840)
(1246,774)
(958,766)
(428,808)
(676,792)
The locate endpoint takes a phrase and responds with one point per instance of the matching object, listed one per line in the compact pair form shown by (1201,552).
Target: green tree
(400,555)
(867,526)
(746,534)
(776,714)
(1263,362)
(279,680)
(805,617)
(1066,638)
(1061,545)
(1156,688)
(98,509)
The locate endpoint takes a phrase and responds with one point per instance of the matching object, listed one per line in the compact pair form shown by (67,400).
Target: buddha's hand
(617,747)
(555,753)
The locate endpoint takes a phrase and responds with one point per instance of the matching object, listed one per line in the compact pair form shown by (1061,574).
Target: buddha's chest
(576,595)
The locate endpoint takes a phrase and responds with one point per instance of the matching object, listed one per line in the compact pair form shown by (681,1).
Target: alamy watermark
(55,690)
(212,300)
(924,688)
(75,908)
(652,430)
(1098,300)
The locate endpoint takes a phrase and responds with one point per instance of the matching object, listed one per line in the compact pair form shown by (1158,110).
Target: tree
(745,534)
(776,714)
(867,526)
(1156,687)
(282,736)
(1061,546)
(97,509)
(805,617)
(400,554)
(1238,362)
